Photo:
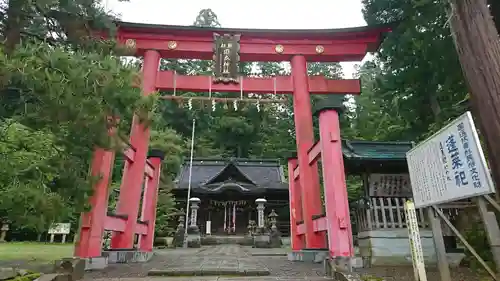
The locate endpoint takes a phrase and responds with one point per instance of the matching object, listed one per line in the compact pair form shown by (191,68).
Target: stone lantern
(179,232)
(195,201)
(275,236)
(273,219)
(193,233)
(260,211)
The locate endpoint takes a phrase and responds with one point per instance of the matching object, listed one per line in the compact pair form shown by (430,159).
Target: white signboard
(60,228)
(417,253)
(449,166)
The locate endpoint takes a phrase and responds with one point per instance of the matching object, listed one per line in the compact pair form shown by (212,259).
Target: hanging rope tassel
(210,92)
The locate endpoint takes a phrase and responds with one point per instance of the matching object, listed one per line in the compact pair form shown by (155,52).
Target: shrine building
(228,188)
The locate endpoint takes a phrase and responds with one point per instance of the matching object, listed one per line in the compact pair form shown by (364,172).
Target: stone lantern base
(193,237)
(262,238)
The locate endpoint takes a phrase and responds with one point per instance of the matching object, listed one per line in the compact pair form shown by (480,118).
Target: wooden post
(465,243)
(437,234)
(492,230)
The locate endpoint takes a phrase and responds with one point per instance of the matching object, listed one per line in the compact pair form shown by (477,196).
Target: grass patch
(31,251)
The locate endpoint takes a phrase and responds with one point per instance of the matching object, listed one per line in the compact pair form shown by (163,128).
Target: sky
(261,14)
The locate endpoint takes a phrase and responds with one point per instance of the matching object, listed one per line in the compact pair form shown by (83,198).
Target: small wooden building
(380,221)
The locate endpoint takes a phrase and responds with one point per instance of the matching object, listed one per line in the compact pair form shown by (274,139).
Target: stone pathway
(222,262)
(237,263)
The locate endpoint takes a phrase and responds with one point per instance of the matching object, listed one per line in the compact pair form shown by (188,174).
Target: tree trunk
(478,47)
(435,107)
(14,25)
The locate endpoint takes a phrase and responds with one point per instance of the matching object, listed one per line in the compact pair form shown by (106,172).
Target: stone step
(217,278)
(220,271)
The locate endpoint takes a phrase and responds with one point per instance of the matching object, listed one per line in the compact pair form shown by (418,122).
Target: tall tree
(58,86)
(417,50)
(478,46)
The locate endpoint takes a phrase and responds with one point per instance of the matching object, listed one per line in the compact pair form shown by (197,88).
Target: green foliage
(58,87)
(417,65)
(27,277)
(476,236)
(415,84)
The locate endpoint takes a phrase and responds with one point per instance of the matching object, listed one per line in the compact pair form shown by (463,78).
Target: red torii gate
(153,42)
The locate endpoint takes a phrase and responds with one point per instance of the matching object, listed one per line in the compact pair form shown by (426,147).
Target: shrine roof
(248,175)
(374,156)
(374,150)
(303,34)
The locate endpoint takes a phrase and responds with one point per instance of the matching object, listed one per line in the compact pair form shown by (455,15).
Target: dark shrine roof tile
(372,150)
(261,173)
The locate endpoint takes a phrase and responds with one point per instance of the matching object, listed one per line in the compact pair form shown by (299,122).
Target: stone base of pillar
(193,237)
(309,255)
(127,256)
(96,263)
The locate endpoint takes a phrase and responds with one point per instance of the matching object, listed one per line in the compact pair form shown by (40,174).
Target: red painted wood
(149,170)
(298,198)
(301,229)
(256,52)
(148,212)
(282,84)
(309,178)
(133,174)
(129,153)
(296,173)
(314,152)
(257,45)
(320,224)
(89,243)
(118,224)
(336,201)
(295,206)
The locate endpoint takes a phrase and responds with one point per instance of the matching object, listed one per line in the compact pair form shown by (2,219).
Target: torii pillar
(133,172)
(304,134)
(340,242)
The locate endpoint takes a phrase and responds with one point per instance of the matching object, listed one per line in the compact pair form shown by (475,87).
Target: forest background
(57,86)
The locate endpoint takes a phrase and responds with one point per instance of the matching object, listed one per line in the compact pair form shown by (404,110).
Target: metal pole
(189,185)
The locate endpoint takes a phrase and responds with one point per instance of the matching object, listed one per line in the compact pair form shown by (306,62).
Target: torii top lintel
(319,45)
